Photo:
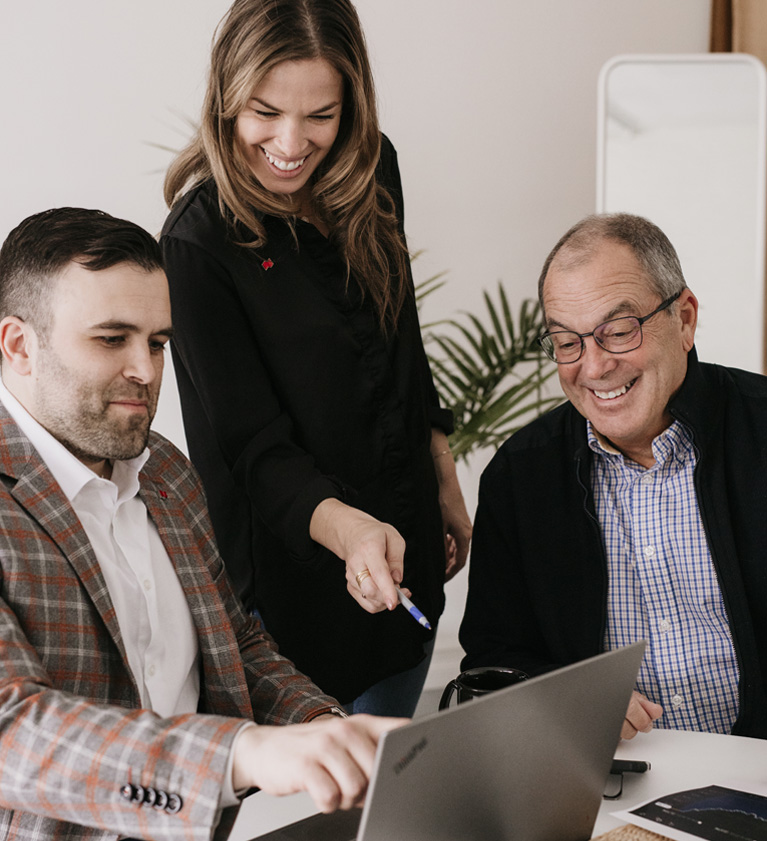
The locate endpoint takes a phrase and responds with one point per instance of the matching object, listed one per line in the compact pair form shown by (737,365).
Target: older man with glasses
(638,509)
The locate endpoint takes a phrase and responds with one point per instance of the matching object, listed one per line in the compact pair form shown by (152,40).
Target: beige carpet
(629,832)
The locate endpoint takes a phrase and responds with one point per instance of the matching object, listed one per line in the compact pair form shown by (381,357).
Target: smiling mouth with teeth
(283,166)
(611,395)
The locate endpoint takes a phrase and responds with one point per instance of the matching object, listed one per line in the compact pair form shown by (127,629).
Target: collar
(68,471)
(598,442)
(673,445)
(698,404)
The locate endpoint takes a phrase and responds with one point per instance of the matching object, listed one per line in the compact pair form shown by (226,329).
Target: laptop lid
(527,763)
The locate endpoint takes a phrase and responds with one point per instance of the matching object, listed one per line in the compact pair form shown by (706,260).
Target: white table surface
(680,760)
(262,813)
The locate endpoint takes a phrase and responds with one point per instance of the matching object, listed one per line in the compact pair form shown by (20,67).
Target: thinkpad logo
(410,756)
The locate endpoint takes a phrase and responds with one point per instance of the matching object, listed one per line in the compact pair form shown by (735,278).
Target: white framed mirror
(682,140)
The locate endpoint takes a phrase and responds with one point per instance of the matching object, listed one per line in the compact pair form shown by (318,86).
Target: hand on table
(374,552)
(331,760)
(640,715)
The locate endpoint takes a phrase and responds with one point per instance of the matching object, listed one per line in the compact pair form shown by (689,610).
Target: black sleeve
(228,395)
(500,626)
(389,175)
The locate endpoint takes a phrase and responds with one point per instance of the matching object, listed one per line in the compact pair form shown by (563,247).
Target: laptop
(527,763)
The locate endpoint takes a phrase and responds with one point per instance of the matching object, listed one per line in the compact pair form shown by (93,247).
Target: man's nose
(141,366)
(595,361)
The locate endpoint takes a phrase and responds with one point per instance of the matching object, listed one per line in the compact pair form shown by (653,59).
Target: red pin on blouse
(267,264)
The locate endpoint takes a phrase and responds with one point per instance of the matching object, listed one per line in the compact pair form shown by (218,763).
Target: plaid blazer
(78,758)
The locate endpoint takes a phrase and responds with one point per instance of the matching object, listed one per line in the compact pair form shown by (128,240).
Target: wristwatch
(341,713)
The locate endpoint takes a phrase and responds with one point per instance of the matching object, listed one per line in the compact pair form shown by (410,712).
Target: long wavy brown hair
(254,37)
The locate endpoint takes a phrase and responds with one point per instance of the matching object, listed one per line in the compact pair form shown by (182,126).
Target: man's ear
(688,312)
(18,344)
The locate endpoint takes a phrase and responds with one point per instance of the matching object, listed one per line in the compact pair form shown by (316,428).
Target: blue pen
(412,609)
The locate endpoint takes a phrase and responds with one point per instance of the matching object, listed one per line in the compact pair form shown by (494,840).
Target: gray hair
(652,248)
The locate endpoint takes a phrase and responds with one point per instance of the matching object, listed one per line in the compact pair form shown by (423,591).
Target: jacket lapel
(35,490)
(39,494)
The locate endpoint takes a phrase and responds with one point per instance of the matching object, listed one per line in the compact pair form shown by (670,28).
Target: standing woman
(308,404)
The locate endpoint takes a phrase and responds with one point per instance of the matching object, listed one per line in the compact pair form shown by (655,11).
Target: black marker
(635,766)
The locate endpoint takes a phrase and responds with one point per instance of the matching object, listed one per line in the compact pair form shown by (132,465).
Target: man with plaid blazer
(130,677)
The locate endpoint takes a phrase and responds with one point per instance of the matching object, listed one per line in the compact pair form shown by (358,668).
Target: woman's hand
(374,552)
(455,518)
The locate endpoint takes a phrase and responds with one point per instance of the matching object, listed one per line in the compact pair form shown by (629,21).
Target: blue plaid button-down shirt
(663,586)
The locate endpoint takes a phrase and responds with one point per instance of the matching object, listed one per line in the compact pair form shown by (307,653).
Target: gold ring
(361,576)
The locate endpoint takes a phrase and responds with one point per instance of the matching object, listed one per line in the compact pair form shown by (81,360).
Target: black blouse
(291,394)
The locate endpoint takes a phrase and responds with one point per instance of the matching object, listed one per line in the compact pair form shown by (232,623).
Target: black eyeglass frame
(640,319)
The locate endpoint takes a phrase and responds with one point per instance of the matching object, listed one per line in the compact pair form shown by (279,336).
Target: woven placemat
(629,832)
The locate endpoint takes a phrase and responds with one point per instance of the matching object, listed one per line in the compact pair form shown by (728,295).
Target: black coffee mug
(473,683)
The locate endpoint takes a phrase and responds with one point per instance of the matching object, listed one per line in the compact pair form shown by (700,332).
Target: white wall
(491,104)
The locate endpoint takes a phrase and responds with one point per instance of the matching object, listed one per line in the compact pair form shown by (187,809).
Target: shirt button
(649,551)
(677,700)
(646,479)
(665,626)
(147,584)
(151,670)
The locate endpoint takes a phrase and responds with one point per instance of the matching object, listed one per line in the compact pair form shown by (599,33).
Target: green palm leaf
(474,364)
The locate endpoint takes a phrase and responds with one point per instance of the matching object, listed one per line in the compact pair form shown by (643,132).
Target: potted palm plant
(491,373)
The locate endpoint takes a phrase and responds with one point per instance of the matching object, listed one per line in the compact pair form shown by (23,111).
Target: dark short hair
(40,248)
(652,248)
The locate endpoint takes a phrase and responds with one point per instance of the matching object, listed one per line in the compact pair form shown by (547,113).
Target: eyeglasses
(619,335)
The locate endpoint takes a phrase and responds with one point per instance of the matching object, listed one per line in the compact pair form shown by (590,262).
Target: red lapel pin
(267,264)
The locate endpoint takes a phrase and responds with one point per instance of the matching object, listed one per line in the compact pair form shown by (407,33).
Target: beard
(77,411)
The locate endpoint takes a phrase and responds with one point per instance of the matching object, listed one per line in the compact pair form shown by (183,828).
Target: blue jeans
(396,695)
